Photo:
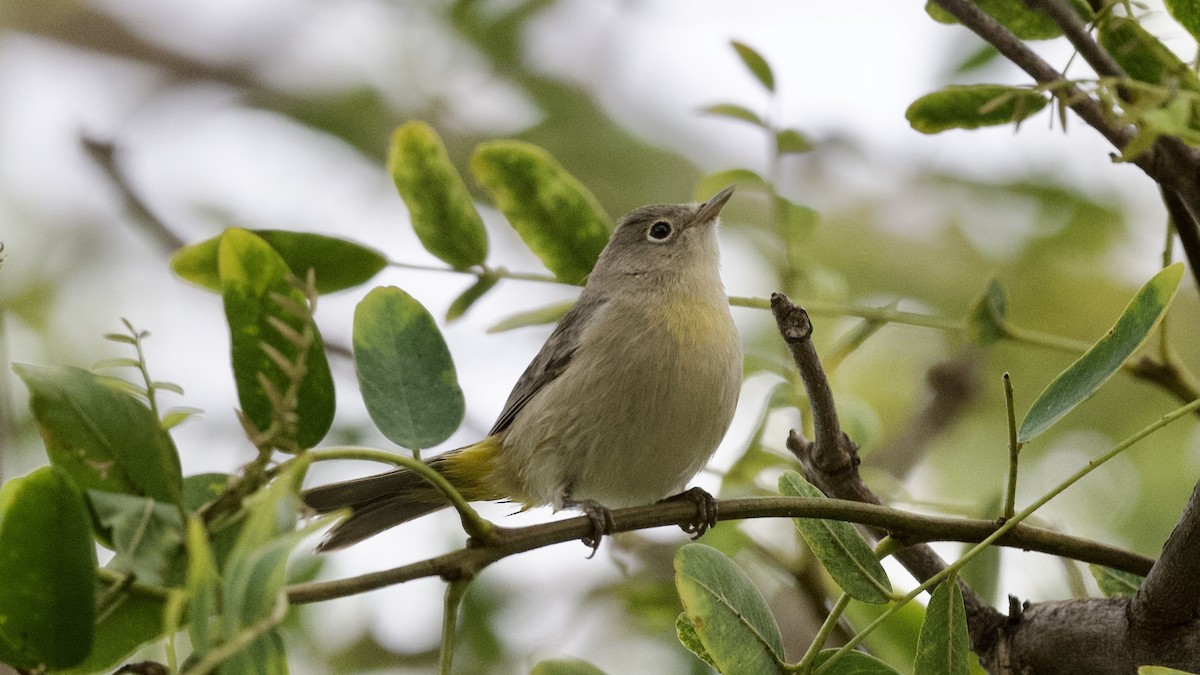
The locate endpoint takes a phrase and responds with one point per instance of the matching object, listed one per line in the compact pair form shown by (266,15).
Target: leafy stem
(1009,524)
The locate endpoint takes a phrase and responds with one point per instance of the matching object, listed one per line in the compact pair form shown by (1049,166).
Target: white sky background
(842,67)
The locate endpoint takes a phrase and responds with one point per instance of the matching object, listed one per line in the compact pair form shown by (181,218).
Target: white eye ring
(659,232)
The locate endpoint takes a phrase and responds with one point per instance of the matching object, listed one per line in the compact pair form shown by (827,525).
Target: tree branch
(832,461)
(910,527)
(1170,595)
(1169,162)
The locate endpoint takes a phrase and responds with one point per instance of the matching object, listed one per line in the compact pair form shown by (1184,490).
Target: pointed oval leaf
(1115,583)
(442,211)
(972,106)
(146,535)
(729,615)
(534,317)
(1143,56)
(715,182)
(565,667)
(686,633)
(47,600)
(840,548)
(252,276)
(796,221)
(1025,22)
(853,663)
(203,590)
(102,437)
(134,621)
(1187,13)
(944,647)
(468,297)
(556,216)
(256,571)
(338,264)
(198,489)
(986,54)
(791,141)
(1081,379)
(1160,670)
(734,111)
(755,63)
(405,371)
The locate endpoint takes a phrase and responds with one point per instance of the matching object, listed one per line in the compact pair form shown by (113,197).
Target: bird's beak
(712,208)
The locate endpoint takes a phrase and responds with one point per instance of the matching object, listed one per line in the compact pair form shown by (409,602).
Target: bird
(623,405)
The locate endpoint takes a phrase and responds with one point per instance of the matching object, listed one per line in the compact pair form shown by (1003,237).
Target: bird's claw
(706,511)
(601,520)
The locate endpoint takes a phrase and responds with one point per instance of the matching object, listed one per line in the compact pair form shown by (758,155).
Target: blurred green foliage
(1062,269)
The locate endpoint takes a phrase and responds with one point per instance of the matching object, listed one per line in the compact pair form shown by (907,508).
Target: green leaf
(688,638)
(405,371)
(1079,381)
(468,297)
(734,111)
(840,548)
(1143,56)
(203,591)
(715,182)
(1115,583)
(795,220)
(256,570)
(47,600)
(791,141)
(556,216)
(853,663)
(442,211)
(944,647)
(1187,13)
(337,263)
(176,416)
(970,106)
(252,275)
(534,317)
(729,615)
(988,317)
(1015,15)
(755,63)
(977,59)
(202,488)
(103,438)
(146,535)
(565,667)
(1160,670)
(133,621)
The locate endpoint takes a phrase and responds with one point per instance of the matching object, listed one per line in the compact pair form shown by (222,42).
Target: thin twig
(906,526)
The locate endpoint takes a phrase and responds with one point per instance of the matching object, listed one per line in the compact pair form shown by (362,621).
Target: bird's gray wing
(552,361)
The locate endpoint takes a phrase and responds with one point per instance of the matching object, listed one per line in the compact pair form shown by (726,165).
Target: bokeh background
(277,113)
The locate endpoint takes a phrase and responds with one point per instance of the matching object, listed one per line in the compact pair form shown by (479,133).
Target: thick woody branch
(832,461)
(1170,595)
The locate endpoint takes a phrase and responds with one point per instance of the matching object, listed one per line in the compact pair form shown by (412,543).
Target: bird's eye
(660,230)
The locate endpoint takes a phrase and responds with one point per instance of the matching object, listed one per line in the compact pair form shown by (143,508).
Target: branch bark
(1169,162)
(832,462)
(1159,627)
(913,527)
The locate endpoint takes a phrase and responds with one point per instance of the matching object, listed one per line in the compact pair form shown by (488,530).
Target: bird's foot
(706,511)
(600,517)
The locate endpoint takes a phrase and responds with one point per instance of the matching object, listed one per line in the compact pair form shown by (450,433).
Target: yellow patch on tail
(471,470)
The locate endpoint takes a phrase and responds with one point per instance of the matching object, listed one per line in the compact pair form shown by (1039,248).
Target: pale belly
(630,421)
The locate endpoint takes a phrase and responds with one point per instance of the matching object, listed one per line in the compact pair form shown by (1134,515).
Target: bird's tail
(381,502)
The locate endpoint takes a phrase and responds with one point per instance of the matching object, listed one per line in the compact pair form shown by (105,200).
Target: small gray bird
(623,405)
